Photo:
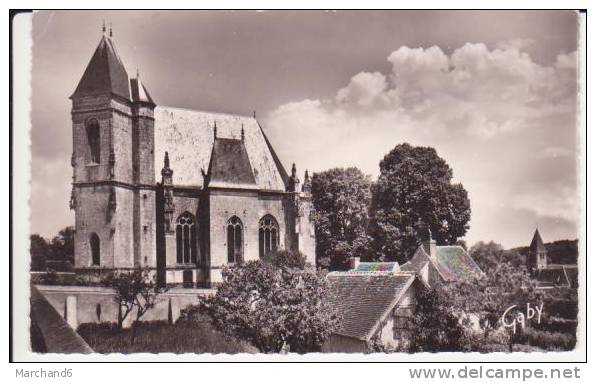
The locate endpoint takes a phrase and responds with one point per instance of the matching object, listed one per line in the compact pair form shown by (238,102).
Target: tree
(414,191)
(487,298)
(39,252)
(436,325)
(273,304)
(134,289)
(341,198)
(490,255)
(62,245)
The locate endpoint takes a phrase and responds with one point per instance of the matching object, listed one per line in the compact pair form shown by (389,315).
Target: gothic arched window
(186,239)
(94,244)
(268,235)
(92,127)
(235,240)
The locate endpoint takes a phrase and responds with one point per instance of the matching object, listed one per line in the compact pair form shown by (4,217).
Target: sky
(494,92)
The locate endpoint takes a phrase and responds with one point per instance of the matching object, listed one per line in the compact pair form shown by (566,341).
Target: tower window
(93,139)
(186,239)
(94,244)
(235,240)
(268,235)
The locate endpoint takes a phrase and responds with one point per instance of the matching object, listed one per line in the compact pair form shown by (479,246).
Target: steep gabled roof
(537,245)
(188,136)
(230,166)
(454,264)
(364,299)
(105,73)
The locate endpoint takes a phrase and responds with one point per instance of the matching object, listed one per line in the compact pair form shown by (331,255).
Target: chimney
(354,261)
(430,246)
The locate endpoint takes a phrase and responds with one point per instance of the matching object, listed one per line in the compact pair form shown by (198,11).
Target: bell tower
(103,174)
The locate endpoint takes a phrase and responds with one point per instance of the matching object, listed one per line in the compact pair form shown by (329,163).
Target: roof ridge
(207,111)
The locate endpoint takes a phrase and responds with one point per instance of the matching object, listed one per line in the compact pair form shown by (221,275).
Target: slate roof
(105,73)
(52,333)
(537,245)
(454,264)
(557,275)
(365,299)
(188,136)
(139,92)
(230,166)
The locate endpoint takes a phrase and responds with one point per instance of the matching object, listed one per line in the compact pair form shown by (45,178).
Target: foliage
(490,255)
(489,297)
(558,252)
(341,198)
(161,337)
(414,193)
(59,248)
(134,289)
(272,305)
(50,277)
(435,325)
(552,341)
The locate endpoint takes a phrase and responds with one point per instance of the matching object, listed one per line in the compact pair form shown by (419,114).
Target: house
(375,307)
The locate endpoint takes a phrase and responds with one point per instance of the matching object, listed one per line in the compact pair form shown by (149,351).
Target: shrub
(50,277)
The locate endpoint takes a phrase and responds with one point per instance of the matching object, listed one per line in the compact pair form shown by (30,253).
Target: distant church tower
(537,253)
(113,176)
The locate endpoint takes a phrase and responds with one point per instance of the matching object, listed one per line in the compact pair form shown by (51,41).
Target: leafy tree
(490,255)
(436,326)
(39,252)
(134,289)
(62,245)
(414,190)
(487,299)
(341,198)
(273,303)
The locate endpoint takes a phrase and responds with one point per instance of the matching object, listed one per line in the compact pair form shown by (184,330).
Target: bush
(551,341)
(50,277)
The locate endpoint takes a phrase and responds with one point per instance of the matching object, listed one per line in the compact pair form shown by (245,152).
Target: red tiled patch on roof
(454,264)
(377,267)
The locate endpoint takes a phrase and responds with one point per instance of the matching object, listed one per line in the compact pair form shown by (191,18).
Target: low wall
(82,304)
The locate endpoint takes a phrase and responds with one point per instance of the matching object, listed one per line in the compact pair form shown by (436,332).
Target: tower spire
(242,133)
(110,29)
(103,27)
(215,129)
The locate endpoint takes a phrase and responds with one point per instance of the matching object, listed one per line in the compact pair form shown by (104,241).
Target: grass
(161,337)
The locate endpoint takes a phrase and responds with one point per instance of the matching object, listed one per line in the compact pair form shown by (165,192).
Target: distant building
(183,192)
(549,275)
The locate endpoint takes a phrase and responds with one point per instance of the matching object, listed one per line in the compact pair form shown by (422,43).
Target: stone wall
(97,304)
(250,207)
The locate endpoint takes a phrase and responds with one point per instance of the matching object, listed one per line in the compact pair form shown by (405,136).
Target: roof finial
(103,27)
(254,114)
(110,29)
(294,170)
(166,160)
(242,133)
(137,72)
(215,129)
(305,176)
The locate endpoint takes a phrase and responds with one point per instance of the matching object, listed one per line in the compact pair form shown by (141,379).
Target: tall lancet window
(186,239)
(94,244)
(92,127)
(235,240)
(268,235)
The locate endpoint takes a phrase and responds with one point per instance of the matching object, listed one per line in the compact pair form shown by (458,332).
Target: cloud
(506,124)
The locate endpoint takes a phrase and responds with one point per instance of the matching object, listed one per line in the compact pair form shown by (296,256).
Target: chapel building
(180,191)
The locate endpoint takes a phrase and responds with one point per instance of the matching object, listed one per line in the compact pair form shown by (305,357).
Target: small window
(95,249)
(268,235)
(93,140)
(235,240)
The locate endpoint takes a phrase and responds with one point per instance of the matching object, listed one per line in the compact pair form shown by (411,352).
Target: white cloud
(493,114)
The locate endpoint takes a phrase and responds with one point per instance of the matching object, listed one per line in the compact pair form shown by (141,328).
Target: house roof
(105,73)
(454,264)
(537,245)
(230,166)
(365,299)
(188,136)
(557,275)
(139,92)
